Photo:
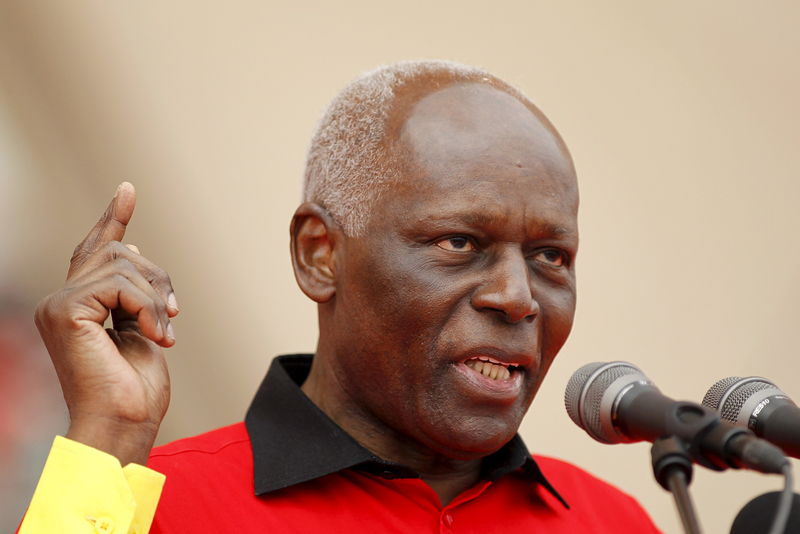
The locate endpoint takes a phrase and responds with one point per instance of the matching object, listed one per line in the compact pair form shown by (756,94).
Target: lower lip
(499,390)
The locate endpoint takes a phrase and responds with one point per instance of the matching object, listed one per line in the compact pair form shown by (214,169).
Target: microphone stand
(672,468)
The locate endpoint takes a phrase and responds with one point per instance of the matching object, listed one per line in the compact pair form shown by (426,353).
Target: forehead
(485,147)
(452,123)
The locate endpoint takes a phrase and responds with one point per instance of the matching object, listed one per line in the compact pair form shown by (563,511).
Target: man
(438,237)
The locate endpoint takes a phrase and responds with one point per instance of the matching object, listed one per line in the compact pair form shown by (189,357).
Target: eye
(456,244)
(552,257)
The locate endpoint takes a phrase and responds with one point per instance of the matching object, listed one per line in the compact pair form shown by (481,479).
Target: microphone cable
(784,501)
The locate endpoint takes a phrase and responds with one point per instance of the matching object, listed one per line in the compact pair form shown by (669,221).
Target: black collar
(294,441)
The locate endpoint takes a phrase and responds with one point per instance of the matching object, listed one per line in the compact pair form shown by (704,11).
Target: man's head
(441,251)
(352,158)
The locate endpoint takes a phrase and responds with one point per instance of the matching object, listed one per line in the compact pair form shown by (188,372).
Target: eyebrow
(483,219)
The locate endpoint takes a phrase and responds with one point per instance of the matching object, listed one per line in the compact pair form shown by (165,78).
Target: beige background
(682,117)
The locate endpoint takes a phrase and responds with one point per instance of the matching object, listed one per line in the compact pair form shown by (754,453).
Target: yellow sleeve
(84,490)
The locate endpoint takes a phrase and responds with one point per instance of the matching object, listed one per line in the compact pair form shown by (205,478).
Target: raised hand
(115,381)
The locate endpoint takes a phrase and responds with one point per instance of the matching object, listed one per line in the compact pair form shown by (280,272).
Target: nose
(507,289)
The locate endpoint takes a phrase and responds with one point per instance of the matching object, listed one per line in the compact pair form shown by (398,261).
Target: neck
(447,476)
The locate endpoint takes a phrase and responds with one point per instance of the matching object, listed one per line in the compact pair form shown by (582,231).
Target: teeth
(489,369)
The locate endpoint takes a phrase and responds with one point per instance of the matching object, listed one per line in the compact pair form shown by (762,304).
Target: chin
(475,438)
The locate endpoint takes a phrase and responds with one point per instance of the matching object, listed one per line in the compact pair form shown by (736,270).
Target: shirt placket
(448,517)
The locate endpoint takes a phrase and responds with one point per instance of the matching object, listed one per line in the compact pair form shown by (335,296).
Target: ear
(314,235)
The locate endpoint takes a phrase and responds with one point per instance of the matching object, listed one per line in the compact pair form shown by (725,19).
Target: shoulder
(593,497)
(207,476)
(576,484)
(569,475)
(215,449)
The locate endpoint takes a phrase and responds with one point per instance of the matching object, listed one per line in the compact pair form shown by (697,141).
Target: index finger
(111,225)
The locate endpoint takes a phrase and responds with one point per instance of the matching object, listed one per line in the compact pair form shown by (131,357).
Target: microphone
(758,404)
(614,402)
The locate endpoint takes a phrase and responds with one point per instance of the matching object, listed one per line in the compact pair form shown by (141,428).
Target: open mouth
(491,368)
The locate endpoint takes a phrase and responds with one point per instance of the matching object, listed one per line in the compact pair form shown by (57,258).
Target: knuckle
(161,277)
(115,249)
(78,253)
(159,306)
(123,265)
(119,280)
(159,309)
(51,309)
(105,218)
(43,311)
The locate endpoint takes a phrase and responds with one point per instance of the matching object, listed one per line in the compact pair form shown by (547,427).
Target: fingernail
(159,329)
(172,302)
(170,332)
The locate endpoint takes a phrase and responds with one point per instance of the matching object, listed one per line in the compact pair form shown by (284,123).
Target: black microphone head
(757,515)
(735,398)
(591,393)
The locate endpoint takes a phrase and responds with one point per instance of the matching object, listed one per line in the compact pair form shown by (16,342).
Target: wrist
(129,442)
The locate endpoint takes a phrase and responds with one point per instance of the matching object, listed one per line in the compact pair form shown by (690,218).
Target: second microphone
(614,402)
(758,404)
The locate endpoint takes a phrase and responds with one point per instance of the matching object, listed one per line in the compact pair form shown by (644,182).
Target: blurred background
(682,118)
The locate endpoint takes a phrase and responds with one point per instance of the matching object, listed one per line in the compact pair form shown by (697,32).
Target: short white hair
(350,160)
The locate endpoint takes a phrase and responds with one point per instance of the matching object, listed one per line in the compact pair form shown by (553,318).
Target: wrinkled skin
(471,253)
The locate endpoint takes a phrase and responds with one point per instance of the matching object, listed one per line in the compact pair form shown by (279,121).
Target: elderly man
(438,236)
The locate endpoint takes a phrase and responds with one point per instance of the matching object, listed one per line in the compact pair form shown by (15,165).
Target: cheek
(558,313)
(391,315)
(407,296)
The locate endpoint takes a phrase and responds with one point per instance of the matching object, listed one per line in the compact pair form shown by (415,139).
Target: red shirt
(292,470)
(209,489)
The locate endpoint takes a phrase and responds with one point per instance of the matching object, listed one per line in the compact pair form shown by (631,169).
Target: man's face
(451,307)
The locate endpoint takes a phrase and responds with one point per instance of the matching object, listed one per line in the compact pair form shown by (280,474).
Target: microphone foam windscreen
(732,393)
(717,391)
(585,391)
(575,387)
